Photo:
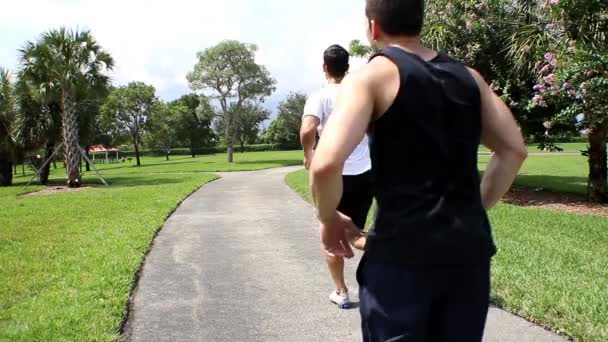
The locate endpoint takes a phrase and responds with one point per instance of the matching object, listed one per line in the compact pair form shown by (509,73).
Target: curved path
(240,261)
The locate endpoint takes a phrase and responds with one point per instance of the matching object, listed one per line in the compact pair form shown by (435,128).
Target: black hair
(397,17)
(336,61)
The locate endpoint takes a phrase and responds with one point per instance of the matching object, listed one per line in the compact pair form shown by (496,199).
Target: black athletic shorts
(423,303)
(357,198)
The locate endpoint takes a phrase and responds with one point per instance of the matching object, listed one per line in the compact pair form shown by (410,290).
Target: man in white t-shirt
(357,197)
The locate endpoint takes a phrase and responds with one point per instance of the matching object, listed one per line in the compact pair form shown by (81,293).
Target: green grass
(562,173)
(185,164)
(551,267)
(568,147)
(68,261)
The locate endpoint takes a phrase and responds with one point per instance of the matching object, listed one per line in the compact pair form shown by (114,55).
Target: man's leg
(356,201)
(336,269)
(396,302)
(461,313)
(352,204)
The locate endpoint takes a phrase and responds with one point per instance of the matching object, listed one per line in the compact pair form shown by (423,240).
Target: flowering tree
(482,33)
(573,77)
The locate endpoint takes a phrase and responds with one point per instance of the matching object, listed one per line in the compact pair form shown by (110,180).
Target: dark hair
(336,60)
(397,17)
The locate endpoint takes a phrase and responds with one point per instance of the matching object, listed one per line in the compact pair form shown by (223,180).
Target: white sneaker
(342,300)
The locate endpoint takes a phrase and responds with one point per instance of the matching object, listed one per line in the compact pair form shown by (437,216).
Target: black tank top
(424,166)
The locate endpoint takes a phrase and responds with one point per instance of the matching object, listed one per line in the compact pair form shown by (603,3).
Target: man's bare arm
(345,129)
(501,134)
(308,137)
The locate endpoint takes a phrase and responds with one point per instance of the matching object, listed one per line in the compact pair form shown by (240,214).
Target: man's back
(426,273)
(321,104)
(424,156)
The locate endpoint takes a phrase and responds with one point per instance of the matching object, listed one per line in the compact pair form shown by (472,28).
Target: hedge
(211,150)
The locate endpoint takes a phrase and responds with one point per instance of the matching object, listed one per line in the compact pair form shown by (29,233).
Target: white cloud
(156,41)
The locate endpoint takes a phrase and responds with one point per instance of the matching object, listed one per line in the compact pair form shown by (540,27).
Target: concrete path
(240,261)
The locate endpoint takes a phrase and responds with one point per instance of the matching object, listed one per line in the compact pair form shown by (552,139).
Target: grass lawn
(551,267)
(68,260)
(563,173)
(186,164)
(568,147)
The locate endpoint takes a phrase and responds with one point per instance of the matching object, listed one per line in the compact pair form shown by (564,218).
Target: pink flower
(545,69)
(540,88)
(469,25)
(549,56)
(567,85)
(571,93)
(550,78)
(538,100)
(554,2)
(548,124)
(450,6)
(551,26)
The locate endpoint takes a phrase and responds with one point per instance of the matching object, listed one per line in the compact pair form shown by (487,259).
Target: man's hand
(336,234)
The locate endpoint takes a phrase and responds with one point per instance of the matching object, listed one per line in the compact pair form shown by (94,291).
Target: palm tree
(7,117)
(38,121)
(62,63)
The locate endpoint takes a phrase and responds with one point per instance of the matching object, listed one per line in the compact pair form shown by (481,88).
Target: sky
(156,41)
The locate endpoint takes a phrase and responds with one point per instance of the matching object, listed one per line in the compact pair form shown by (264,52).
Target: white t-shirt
(320,105)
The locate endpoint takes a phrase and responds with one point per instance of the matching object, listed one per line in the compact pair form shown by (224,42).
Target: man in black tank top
(425,275)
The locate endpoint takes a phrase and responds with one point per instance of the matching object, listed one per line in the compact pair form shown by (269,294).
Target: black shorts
(419,304)
(357,198)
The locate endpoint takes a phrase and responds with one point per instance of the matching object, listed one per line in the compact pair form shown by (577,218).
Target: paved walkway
(240,261)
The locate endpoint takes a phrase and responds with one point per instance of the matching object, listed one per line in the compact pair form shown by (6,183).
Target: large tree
(162,127)
(285,129)
(246,124)
(127,110)
(63,62)
(230,72)
(573,75)
(194,122)
(7,119)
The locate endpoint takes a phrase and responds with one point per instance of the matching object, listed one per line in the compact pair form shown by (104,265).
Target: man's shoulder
(376,72)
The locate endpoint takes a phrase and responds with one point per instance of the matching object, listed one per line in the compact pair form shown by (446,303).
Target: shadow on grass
(281,162)
(566,184)
(121,181)
(114,167)
(497,301)
(128,182)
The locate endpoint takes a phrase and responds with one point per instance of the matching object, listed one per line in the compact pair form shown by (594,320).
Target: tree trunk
(86,161)
(598,170)
(192,152)
(54,164)
(23,168)
(230,151)
(46,170)
(6,170)
(136,145)
(229,144)
(168,152)
(71,139)
(15,169)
